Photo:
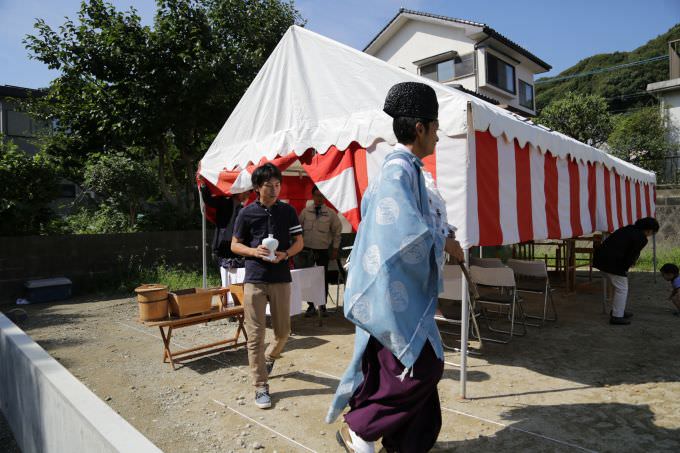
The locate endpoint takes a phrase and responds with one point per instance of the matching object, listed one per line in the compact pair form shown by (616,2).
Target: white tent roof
(314,92)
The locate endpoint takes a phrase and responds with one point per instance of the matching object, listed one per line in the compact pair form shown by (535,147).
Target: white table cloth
(308,285)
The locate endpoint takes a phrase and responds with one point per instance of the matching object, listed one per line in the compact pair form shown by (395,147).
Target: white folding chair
(486,262)
(532,278)
(505,297)
(449,305)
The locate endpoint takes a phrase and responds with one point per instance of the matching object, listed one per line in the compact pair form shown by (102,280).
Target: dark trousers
(406,414)
(314,257)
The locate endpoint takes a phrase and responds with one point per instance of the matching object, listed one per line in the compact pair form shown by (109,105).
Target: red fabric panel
(608,199)
(647,202)
(360,169)
(629,209)
(592,196)
(430,164)
(226,179)
(550,187)
(488,203)
(638,202)
(619,208)
(353,217)
(523,190)
(323,167)
(296,190)
(574,198)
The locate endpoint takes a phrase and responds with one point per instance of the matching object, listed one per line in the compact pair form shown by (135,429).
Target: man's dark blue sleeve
(241,228)
(294,222)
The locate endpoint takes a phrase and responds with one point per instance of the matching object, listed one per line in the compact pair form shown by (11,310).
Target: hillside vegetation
(624,88)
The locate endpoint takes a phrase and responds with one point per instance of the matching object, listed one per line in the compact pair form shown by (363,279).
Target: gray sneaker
(270,367)
(262,398)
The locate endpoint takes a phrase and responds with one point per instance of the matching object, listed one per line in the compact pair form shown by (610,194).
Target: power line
(622,97)
(601,70)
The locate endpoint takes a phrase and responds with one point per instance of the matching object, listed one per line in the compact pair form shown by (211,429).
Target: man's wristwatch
(286,252)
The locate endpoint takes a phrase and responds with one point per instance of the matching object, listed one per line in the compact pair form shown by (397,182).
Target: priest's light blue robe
(395,268)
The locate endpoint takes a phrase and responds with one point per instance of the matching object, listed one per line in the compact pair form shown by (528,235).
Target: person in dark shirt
(266,281)
(226,211)
(616,255)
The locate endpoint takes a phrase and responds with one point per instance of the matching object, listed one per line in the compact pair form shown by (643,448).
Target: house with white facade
(468,55)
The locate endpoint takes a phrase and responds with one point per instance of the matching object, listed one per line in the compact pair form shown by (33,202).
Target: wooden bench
(220,312)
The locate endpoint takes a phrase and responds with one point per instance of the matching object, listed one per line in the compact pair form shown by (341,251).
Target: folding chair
(337,275)
(532,278)
(450,308)
(502,279)
(486,262)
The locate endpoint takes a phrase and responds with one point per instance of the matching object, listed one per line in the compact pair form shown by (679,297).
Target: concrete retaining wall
(668,215)
(49,410)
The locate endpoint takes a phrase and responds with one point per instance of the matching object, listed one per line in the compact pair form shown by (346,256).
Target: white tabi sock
(360,445)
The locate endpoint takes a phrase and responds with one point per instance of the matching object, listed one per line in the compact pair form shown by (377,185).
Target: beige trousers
(256,296)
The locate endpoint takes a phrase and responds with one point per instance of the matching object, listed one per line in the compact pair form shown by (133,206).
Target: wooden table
(167,326)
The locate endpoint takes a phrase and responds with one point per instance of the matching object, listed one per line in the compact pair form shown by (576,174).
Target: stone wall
(668,215)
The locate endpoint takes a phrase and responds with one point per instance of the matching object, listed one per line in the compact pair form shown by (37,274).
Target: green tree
(156,93)
(123,182)
(583,117)
(27,185)
(641,137)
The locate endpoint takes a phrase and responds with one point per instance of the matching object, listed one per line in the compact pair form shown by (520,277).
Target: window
(526,95)
(18,124)
(449,69)
(500,74)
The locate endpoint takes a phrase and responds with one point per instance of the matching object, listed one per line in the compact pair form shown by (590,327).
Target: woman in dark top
(616,255)
(226,211)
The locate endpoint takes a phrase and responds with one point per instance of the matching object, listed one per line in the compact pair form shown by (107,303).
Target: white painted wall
(417,40)
(670,103)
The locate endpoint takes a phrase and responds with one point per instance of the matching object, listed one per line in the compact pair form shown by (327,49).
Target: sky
(559,32)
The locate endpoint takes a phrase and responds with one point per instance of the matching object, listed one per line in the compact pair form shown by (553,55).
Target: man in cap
(391,293)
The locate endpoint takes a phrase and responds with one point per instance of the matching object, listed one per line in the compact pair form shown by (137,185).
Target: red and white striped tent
(317,104)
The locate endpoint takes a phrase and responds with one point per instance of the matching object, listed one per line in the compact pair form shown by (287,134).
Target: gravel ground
(578,384)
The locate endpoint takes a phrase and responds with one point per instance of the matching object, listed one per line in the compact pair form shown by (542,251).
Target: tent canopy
(315,93)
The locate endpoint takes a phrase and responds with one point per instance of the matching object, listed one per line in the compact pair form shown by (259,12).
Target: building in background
(15,125)
(467,55)
(24,131)
(668,92)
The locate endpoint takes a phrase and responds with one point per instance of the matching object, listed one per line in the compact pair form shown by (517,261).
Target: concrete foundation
(49,410)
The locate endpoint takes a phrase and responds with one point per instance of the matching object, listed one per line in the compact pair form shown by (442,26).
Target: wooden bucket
(152,301)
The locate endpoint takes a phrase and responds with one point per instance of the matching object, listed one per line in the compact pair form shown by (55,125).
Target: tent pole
(203,228)
(464,328)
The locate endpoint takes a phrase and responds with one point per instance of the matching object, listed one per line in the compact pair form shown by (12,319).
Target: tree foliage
(641,137)
(623,88)
(583,117)
(123,183)
(27,185)
(158,94)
